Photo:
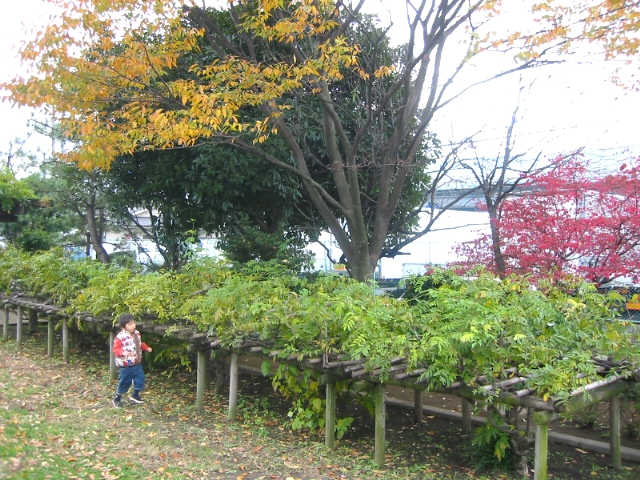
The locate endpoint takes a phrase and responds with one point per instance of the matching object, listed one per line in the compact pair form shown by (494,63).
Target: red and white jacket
(125,350)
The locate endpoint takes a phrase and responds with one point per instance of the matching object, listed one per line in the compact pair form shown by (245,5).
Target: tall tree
(206,189)
(13,193)
(81,192)
(569,221)
(41,224)
(104,68)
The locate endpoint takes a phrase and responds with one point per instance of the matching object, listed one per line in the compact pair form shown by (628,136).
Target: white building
(144,250)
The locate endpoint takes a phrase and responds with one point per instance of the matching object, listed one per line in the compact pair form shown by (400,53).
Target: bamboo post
(380,410)
(113,371)
(201,379)
(65,340)
(614,432)
(19,326)
(50,335)
(5,324)
(417,404)
(234,373)
(541,420)
(466,416)
(330,416)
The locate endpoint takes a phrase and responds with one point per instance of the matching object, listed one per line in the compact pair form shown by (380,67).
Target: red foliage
(569,221)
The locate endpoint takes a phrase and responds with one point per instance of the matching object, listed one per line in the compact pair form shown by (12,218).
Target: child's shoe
(135,398)
(117,402)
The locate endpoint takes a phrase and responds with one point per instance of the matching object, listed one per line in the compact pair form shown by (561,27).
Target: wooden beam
(51,332)
(506,398)
(327,378)
(330,416)
(19,326)
(201,379)
(5,323)
(234,373)
(593,396)
(113,370)
(65,340)
(467,406)
(417,405)
(540,467)
(380,425)
(614,432)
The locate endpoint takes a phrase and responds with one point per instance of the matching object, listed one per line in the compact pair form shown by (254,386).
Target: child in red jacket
(127,348)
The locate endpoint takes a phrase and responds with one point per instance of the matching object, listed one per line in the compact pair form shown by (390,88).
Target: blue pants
(127,375)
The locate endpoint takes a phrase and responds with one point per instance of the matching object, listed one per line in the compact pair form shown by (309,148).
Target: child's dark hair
(124,319)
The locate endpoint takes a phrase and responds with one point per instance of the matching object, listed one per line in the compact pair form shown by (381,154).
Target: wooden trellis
(335,367)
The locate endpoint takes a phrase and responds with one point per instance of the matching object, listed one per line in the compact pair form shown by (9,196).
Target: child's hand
(150,349)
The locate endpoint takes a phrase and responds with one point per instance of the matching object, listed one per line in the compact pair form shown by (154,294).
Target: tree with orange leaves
(611,26)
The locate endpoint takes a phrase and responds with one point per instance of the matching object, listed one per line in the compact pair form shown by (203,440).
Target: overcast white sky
(16,20)
(572,103)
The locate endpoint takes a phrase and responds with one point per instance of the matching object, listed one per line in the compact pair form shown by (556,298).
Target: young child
(127,348)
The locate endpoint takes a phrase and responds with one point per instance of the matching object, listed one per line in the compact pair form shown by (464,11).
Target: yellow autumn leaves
(107,70)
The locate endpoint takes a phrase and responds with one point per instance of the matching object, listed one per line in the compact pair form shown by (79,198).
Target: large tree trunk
(94,233)
(501,267)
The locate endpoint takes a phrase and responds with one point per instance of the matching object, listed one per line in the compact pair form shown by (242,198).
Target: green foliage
(161,295)
(342,426)
(13,270)
(418,285)
(463,330)
(42,224)
(491,449)
(50,275)
(59,278)
(249,243)
(476,329)
(308,403)
(12,190)
(456,329)
(303,389)
(168,356)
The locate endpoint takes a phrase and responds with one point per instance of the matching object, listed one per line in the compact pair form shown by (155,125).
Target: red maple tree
(568,220)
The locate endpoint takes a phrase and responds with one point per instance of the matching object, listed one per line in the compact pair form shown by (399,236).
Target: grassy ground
(57,422)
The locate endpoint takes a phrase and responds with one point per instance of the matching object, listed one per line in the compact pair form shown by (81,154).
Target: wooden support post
(541,420)
(208,371)
(5,324)
(19,326)
(201,382)
(330,416)
(380,424)
(33,321)
(234,373)
(65,340)
(417,404)
(73,337)
(466,415)
(113,370)
(51,331)
(614,432)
